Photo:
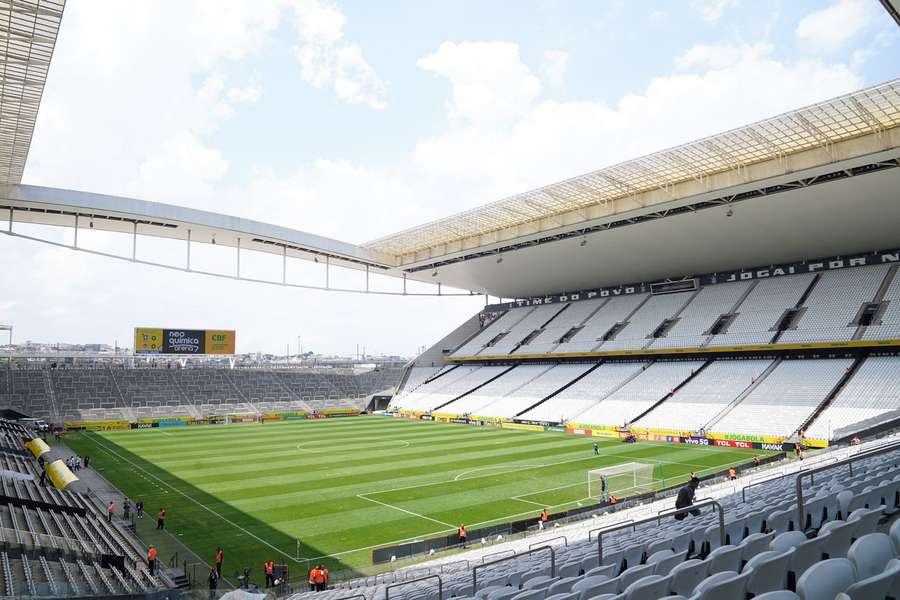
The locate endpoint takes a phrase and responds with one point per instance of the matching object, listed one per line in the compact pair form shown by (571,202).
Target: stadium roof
(867,111)
(28,30)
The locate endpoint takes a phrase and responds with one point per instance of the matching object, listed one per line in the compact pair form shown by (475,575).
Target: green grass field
(343,486)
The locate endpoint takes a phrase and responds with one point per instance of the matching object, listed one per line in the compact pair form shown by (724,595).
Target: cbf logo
(218,337)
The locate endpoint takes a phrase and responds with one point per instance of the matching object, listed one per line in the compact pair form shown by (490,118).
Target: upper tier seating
(417,376)
(700,315)
(642,324)
(613,311)
(501,324)
(760,311)
(640,393)
(706,395)
(447,387)
(890,319)
(873,390)
(784,399)
(521,330)
(573,316)
(834,304)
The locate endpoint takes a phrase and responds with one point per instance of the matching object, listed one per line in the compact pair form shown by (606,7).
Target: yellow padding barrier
(38,447)
(60,474)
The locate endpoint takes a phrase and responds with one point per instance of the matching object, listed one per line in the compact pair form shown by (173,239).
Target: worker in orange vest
(312,578)
(462,534)
(732,474)
(110,511)
(321,578)
(151,559)
(220,558)
(544,516)
(161,519)
(269,569)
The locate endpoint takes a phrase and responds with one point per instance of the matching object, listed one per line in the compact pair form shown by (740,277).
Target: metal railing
(595,530)
(500,560)
(863,455)
(387,590)
(548,540)
(669,512)
(502,552)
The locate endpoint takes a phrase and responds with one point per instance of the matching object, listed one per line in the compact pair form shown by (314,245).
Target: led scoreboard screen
(151,340)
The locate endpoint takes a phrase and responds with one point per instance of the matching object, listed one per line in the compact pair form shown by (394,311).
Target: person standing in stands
(323,573)
(312,579)
(463,534)
(161,519)
(544,516)
(220,558)
(139,507)
(43,479)
(269,570)
(110,511)
(732,473)
(213,580)
(126,508)
(151,560)
(686,498)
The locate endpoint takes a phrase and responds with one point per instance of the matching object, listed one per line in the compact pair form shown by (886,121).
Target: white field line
(195,501)
(492,468)
(409,512)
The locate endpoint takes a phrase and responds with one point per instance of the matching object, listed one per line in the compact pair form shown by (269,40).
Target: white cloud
(326,59)
(712,10)
(722,55)
(553,67)
(830,28)
(490,83)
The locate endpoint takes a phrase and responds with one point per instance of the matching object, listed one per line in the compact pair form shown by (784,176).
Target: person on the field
(110,511)
(269,569)
(543,520)
(596,449)
(686,498)
(463,535)
(139,508)
(220,558)
(151,560)
(161,519)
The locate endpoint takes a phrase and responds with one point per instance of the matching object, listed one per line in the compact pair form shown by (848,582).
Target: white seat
(779,595)
(569,570)
(530,595)
(563,586)
(875,587)
(607,570)
(755,543)
(631,575)
(687,575)
(895,536)
(870,554)
(726,584)
(648,588)
(724,558)
(786,540)
(780,521)
(867,520)
(503,593)
(826,579)
(664,565)
(840,535)
(593,585)
(806,554)
(770,570)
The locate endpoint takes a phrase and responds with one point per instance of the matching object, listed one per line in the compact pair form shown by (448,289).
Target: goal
(621,480)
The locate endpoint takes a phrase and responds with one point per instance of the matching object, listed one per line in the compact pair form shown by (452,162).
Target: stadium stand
(783,400)
(613,312)
(647,320)
(114,393)
(572,318)
(706,395)
(766,546)
(873,391)
(699,316)
(651,385)
(58,542)
(497,398)
(887,326)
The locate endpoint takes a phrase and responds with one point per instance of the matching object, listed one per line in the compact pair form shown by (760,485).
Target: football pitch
(340,487)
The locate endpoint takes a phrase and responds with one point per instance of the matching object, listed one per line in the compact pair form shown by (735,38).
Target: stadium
(684,383)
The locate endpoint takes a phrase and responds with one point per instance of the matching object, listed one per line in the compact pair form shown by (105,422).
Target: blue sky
(357,119)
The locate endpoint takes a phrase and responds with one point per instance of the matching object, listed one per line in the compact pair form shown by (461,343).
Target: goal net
(621,481)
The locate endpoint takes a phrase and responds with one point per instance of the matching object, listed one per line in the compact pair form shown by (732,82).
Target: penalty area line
(409,512)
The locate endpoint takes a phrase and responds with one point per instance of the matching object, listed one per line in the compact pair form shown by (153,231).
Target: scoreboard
(153,340)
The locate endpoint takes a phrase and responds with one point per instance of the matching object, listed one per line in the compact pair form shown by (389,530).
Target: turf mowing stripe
(409,512)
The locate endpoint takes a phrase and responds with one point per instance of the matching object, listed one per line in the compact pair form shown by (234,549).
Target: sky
(356,119)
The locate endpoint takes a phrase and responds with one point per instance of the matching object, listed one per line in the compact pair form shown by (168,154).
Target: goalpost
(621,480)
